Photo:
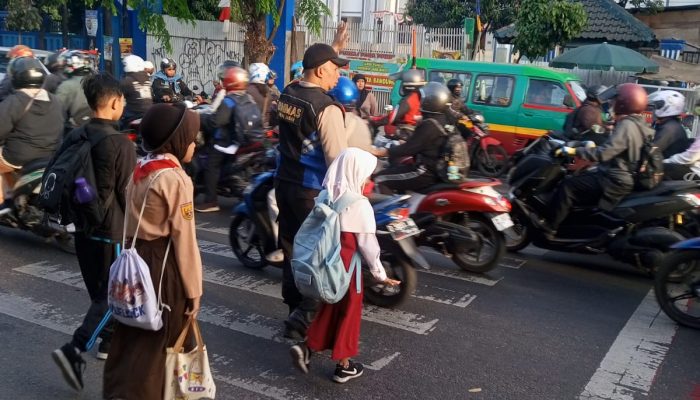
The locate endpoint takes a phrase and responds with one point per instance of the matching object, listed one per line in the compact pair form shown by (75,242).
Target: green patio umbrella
(604,56)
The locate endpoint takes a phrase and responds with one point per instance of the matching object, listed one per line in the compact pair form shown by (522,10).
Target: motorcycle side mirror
(389,108)
(597,129)
(569,101)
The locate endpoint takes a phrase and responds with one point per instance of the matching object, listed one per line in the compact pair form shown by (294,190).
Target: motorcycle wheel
(492,162)
(245,243)
(66,242)
(491,240)
(399,268)
(677,287)
(517,238)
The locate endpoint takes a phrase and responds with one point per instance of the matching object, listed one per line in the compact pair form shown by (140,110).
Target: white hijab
(348,173)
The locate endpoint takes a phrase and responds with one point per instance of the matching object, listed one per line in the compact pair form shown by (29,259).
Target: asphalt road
(543,325)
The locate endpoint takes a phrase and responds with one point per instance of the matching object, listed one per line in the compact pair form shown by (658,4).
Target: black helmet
(26,72)
(435,98)
(412,80)
(76,62)
(453,83)
(167,63)
(596,93)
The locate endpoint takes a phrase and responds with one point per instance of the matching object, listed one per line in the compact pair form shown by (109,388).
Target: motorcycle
(251,236)
(630,233)
(463,221)
(26,214)
(677,284)
(488,156)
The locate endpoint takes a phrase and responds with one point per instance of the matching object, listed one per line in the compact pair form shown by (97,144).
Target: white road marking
(382,362)
(51,317)
(461,275)
(218,249)
(250,324)
(628,369)
(510,262)
(205,226)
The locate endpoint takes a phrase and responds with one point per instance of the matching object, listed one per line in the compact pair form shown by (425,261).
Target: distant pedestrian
(337,326)
(367,103)
(165,238)
(113,159)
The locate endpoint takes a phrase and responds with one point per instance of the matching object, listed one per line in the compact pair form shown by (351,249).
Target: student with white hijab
(337,326)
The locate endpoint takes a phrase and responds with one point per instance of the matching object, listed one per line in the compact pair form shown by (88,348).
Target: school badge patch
(187,211)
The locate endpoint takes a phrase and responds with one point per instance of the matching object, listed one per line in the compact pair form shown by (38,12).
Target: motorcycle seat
(34,165)
(664,187)
(468,184)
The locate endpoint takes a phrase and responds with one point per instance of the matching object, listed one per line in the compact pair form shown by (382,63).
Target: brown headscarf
(169,128)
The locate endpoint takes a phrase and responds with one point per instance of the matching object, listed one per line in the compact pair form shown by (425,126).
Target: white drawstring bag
(131,296)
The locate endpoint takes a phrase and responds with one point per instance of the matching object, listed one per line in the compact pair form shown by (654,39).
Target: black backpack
(452,151)
(247,118)
(649,169)
(73,160)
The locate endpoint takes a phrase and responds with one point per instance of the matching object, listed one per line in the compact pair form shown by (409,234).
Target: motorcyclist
(136,87)
(346,93)
(408,115)
(614,178)
(590,113)
(424,144)
(458,102)
(670,135)
(54,63)
(257,87)
(685,165)
(168,86)
(32,122)
(148,68)
(225,139)
(296,71)
(19,50)
(76,65)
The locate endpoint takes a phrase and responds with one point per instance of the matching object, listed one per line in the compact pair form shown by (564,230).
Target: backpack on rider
(68,186)
(649,169)
(247,118)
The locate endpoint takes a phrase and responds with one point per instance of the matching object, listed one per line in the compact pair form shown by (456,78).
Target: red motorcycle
(463,221)
(488,156)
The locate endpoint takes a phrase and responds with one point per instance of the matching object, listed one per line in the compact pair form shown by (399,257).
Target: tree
(22,16)
(253,14)
(495,14)
(541,25)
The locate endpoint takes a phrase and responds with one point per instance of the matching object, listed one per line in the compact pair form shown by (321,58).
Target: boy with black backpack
(90,189)
(237,121)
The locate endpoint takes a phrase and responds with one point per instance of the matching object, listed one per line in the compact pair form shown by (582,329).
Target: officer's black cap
(317,54)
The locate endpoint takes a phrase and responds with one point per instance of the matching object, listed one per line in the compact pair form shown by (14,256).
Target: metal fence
(198,49)
(379,42)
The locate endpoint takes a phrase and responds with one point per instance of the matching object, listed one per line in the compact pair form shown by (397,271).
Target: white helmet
(667,103)
(148,65)
(258,73)
(133,63)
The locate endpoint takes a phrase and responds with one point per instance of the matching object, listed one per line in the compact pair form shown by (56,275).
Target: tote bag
(187,375)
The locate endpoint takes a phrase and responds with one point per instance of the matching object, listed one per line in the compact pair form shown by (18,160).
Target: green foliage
(205,10)
(495,14)
(312,12)
(541,25)
(22,15)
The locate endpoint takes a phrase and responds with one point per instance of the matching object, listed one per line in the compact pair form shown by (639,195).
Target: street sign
(91,22)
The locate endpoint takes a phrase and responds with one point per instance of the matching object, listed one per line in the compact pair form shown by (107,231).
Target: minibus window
(494,90)
(545,93)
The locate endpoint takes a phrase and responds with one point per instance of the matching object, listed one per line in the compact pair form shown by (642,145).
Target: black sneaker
(301,357)
(72,365)
(343,375)
(103,350)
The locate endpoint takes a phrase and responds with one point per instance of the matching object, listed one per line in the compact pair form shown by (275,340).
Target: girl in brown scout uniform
(135,368)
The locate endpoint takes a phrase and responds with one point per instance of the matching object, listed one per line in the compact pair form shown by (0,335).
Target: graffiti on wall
(197,59)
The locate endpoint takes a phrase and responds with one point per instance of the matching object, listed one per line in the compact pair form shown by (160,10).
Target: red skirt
(337,326)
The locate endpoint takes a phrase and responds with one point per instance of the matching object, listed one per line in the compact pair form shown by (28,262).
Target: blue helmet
(345,92)
(296,71)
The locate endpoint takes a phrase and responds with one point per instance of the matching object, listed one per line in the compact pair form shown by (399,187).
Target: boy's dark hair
(99,88)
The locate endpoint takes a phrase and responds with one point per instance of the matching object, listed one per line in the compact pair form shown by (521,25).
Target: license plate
(402,229)
(502,221)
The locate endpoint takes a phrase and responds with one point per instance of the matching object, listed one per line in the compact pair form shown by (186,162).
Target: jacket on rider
(617,156)
(670,137)
(33,135)
(301,159)
(583,118)
(224,123)
(425,144)
(136,87)
(409,110)
(75,105)
(174,87)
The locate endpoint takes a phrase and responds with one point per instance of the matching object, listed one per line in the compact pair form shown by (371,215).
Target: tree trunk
(19,37)
(258,48)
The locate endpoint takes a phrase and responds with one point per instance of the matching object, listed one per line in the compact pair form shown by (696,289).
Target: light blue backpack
(318,269)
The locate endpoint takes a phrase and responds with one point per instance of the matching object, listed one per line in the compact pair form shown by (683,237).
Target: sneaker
(207,207)
(301,357)
(276,256)
(343,375)
(103,350)
(6,206)
(71,363)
